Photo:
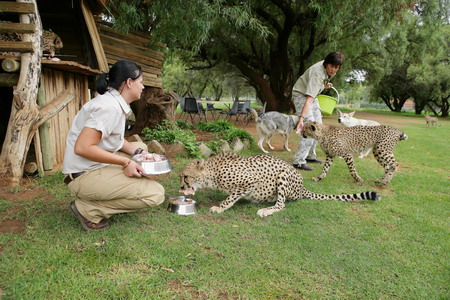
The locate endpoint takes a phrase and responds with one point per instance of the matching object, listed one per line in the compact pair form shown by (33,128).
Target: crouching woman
(97,165)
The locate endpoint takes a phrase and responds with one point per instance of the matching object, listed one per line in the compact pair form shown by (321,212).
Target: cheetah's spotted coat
(259,178)
(345,142)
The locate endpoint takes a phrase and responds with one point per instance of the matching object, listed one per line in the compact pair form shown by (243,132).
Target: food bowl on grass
(181,205)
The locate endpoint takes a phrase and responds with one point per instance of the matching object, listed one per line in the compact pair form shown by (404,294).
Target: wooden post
(96,42)
(44,135)
(10,65)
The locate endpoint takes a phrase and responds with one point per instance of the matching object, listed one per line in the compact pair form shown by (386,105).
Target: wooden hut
(90,46)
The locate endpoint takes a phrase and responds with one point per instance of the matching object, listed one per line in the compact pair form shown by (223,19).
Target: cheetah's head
(192,177)
(312,130)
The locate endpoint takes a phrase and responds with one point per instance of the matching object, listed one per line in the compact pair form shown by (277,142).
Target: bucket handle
(336,93)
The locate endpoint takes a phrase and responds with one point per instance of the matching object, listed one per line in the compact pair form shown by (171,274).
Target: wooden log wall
(132,46)
(54,82)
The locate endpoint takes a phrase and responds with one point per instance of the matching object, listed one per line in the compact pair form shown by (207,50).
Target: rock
(236,145)
(225,147)
(204,150)
(155,147)
(135,138)
(175,148)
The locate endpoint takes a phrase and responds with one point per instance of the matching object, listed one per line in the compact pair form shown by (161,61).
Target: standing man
(304,97)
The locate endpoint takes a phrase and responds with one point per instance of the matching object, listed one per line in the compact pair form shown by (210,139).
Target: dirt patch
(12,226)
(203,136)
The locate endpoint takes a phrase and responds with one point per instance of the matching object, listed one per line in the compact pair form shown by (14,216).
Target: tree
(270,42)
(26,116)
(412,60)
(395,88)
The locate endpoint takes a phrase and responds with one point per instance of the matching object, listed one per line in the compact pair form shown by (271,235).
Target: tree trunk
(25,111)
(444,106)
(154,107)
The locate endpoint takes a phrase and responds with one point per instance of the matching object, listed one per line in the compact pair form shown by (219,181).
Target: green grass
(397,248)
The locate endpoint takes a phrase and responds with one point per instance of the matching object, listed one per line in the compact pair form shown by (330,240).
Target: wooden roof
(132,46)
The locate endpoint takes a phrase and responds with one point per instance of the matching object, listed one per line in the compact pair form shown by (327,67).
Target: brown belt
(68,179)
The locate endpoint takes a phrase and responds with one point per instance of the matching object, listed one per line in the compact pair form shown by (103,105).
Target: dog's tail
(255,114)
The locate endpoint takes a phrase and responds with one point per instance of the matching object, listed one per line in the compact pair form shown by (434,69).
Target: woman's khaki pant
(107,191)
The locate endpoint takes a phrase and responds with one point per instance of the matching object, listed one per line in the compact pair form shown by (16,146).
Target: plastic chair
(244,113)
(234,110)
(192,109)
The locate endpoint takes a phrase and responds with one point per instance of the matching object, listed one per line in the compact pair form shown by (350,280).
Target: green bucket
(328,103)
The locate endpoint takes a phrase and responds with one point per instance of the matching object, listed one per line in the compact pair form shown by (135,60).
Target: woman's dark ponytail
(118,74)
(102,83)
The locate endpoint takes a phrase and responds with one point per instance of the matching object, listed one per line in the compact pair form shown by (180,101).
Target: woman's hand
(299,127)
(329,85)
(133,169)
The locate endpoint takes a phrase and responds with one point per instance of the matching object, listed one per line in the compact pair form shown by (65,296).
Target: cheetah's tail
(343,197)
(403,136)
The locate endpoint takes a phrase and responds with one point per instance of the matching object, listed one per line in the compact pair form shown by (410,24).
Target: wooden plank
(118,51)
(17,7)
(17,27)
(95,37)
(70,66)
(128,45)
(16,47)
(46,150)
(145,68)
(140,38)
(38,154)
(154,82)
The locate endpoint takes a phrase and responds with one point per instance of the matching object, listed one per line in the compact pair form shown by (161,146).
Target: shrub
(216,126)
(170,133)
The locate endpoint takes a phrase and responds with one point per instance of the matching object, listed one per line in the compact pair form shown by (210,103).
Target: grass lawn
(394,248)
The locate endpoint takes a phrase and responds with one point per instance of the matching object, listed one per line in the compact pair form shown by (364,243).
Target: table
(227,103)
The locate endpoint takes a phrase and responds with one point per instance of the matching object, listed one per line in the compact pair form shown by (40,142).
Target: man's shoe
(302,167)
(87,225)
(314,161)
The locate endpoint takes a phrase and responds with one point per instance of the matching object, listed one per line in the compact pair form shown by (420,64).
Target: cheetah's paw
(216,210)
(264,212)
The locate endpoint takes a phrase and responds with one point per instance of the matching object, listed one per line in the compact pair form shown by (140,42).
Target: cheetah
(258,178)
(345,141)
(51,42)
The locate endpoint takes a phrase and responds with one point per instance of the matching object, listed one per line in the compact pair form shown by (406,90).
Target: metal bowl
(154,167)
(181,205)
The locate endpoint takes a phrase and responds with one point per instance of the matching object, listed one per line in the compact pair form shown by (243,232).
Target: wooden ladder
(9,27)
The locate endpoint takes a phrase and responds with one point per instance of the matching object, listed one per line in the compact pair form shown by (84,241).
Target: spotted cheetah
(344,142)
(51,42)
(259,178)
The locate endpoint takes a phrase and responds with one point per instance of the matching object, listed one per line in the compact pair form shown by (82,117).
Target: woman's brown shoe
(88,225)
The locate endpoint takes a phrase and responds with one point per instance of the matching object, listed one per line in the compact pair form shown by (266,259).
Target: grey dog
(271,122)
